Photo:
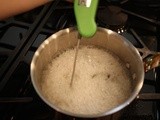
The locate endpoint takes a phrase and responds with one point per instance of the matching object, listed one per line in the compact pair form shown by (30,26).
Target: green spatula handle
(85,11)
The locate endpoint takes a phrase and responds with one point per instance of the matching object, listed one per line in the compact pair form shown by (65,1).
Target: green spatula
(85,11)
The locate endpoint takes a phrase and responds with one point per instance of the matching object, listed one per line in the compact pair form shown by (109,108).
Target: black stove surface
(21,35)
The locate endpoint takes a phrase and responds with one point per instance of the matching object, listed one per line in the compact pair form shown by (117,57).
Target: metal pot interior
(104,38)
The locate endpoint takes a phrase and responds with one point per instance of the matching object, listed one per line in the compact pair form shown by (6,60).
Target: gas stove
(21,35)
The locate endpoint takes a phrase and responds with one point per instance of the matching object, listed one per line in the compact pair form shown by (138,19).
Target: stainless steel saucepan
(105,38)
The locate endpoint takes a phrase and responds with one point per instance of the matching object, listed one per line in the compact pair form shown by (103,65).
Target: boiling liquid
(101,81)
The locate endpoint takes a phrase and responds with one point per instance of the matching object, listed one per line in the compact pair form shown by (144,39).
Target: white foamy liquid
(101,81)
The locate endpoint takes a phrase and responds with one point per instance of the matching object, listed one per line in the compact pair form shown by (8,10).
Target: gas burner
(113,18)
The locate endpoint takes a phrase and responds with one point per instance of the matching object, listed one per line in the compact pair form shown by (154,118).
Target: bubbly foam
(101,81)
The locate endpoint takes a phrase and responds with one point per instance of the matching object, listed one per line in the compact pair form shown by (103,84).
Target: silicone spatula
(85,11)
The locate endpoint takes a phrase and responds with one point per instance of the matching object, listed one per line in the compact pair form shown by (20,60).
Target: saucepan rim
(105,113)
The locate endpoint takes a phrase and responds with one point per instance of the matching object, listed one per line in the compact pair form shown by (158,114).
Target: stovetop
(21,35)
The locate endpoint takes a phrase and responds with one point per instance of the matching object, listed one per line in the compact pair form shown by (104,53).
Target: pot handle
(151,62)
(148,97)
(151,59)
